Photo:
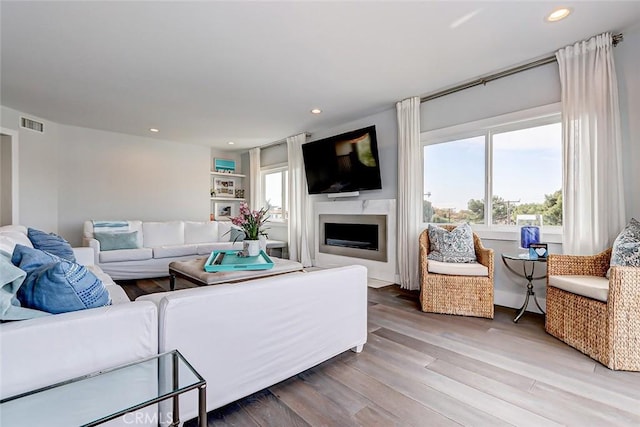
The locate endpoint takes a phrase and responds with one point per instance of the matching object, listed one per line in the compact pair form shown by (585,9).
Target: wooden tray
(232,262)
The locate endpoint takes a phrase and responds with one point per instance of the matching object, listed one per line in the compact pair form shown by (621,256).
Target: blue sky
(527,164)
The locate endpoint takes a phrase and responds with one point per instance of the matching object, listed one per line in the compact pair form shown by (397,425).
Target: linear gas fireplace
(359,236)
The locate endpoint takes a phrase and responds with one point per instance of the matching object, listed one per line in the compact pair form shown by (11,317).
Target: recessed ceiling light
(558,14)
(316,111)
(153,130)
(230,142)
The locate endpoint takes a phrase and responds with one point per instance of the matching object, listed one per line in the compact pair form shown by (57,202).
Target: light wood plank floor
(420,369)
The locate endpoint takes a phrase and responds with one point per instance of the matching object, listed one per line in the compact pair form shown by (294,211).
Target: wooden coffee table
(193,271)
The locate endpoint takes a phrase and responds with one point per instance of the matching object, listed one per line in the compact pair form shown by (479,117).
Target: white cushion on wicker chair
(588,286)
(457,268)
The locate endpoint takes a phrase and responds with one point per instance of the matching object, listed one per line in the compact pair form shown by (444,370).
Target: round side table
(524,258)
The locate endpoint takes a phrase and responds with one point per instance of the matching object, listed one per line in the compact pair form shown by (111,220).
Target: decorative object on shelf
(530,225)
(224,187)
(538,250)
(252,223)
(224,165)
(240,193)
(223,210)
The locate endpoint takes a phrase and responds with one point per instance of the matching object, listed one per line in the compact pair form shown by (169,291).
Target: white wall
(387,135)
(105,175)
(5,179)
(627,60)
(70,174)
(38,171)
(273,155)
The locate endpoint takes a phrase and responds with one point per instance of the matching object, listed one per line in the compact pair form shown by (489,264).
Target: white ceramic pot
(252,247)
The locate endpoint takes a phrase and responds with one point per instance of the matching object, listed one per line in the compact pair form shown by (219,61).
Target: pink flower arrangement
(251,221)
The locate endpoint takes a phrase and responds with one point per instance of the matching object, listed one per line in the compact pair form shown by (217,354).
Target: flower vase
(251,247)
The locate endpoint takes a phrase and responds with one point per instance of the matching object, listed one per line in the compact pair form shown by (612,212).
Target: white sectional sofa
(160,243)
(42,351)
(240,337)
(247,336)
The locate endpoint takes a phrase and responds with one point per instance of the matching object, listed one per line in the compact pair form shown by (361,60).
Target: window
(491,172)
(275,192)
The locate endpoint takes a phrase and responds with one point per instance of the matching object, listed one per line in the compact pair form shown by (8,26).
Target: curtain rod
(615,39)
(281,141)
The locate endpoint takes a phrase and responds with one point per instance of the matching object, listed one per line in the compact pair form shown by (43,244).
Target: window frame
(538,116)
(281,167)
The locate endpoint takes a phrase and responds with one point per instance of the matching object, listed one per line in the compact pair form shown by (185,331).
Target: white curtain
(255,184)
(409,191)
(593,188)
(300,210)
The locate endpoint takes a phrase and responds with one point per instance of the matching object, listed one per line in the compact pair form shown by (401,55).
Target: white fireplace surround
(385,271)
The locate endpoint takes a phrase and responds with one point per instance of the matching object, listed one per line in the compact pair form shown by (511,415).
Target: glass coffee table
(527,275)
(96,398)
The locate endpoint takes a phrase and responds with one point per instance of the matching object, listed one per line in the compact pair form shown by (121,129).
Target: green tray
(232,262)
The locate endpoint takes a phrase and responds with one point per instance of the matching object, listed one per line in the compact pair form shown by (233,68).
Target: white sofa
(248,336)
(240,337)
(42,351)
(160,243)
(10,235)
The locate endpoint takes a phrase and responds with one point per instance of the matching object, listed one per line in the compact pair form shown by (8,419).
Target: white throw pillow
(224,231)
(10,239)
(200,232)
(163,233)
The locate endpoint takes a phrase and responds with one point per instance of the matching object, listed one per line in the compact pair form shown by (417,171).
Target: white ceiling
(212,72)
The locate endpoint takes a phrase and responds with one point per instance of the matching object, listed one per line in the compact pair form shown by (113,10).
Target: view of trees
(504,211)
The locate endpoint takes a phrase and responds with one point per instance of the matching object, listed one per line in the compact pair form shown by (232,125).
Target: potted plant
(251,222)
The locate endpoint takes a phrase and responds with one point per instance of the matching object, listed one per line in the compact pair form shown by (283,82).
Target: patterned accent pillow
(451,246)
(56,285)
(626,247)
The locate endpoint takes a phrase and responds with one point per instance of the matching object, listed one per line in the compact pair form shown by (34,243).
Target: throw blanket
(11,278)
(110,226)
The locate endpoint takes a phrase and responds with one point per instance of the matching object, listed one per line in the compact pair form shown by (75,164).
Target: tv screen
(343,163)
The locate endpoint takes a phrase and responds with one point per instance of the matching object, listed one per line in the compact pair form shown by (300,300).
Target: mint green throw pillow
(114,241)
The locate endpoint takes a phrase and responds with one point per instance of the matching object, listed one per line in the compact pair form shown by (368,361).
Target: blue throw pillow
(51,243)
(56,285)
(114,241)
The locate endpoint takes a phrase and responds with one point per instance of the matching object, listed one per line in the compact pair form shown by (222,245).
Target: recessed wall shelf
(225,187)
(235,175)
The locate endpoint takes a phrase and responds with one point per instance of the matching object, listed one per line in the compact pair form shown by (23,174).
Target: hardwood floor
(422,369)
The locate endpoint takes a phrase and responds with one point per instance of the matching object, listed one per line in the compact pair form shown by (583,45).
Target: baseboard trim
(377,283)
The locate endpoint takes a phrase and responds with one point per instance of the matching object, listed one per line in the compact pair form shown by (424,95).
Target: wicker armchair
(609,332)
(461,295)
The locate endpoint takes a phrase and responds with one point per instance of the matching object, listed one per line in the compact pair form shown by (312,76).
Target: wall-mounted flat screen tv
(343,163)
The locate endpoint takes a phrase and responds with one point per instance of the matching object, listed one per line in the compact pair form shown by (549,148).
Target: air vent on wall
(31,124)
